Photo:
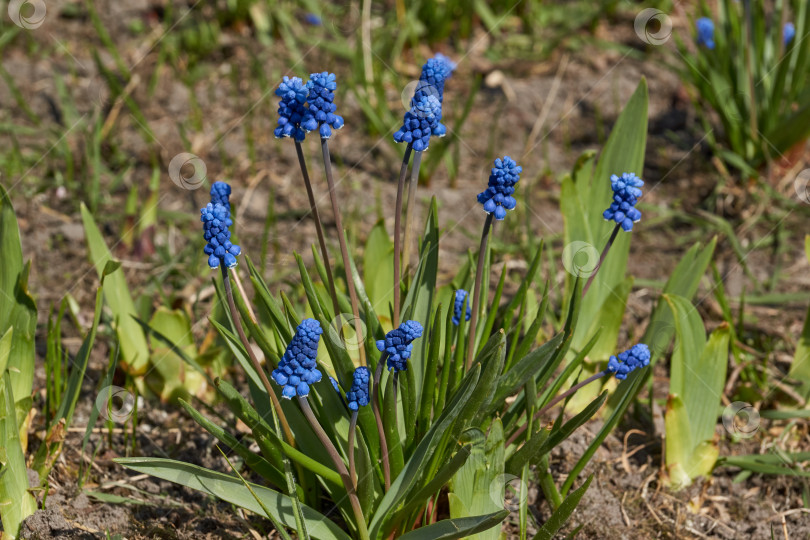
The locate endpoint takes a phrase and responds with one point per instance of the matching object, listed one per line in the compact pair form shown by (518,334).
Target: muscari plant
(748,63)
(18,319)
(433,412)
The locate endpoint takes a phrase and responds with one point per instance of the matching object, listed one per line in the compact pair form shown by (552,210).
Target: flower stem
(409,210)
(375,404)
(318,226)
(255,361)
(352,430)
(341,467)
(403,171)
(601,259)
(479,276)
(241,288)
(344,251)
(553,402)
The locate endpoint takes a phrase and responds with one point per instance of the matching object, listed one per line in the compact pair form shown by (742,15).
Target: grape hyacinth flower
(431,81)
(420,121)
(221,193)
(788,33)
(398,343)
(626,192)
(321,97)
(705,32)
(459,303)
(216,219)
(298,367)
(357,396)
(294,117)
(628,361)
(497,198)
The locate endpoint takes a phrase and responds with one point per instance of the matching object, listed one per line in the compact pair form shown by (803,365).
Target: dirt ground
(578,92)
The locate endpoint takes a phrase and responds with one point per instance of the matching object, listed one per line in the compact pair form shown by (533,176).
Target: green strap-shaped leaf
(456,528)
(231,489)
(134,349)
(562,513)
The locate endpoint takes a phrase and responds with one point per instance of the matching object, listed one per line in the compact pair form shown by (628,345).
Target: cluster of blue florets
(635,358)
(420,121)
(398,343)
(357,396)
(705,32)
(298,367)
(295,119)
(497,198)
(788,33)
(321,99)
(626,192)
(436,71)
(459,303)
(221,193)
(216,219)
(431,82)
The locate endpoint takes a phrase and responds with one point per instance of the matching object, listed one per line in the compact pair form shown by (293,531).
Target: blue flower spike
(398,343)
(321,97)
(216,220)
(626,192)
(221,193)
(294,117)
(497,198)
(459,303)
(420,121)
(630,360)
(705,32)
(431,81)
(788,33)
(357,396)
(298,368)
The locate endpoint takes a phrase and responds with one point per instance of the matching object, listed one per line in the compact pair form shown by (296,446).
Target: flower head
(788,33)
(628,361)
(334,384)
(398,344)
(436,71)
(497,198)
(626,192)
(216,219)
(321,99)
(298,367)
(294,118)
(460,302)
(221,193)
(705,32)
(420,121)
(358,395)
